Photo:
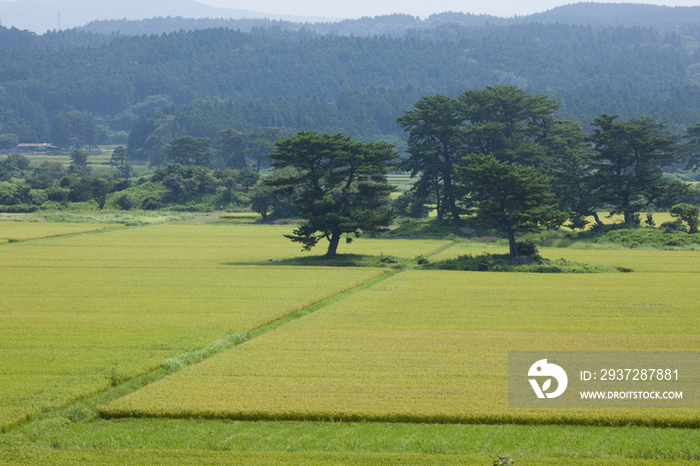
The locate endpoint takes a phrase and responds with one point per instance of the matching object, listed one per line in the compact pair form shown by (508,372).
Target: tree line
(362,81)
(498,153)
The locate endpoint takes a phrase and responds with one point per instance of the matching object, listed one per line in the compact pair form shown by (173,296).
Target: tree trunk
(597,219)
(511,243)
(628,218)
(333,244)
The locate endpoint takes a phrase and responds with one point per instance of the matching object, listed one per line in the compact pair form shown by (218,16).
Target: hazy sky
(423,8)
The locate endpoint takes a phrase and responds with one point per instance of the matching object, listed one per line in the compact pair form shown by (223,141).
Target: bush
(688,214)
(125,201)
(18,209)
(121,185)
(151,203)
(527,248)
(57,194)
(674,225)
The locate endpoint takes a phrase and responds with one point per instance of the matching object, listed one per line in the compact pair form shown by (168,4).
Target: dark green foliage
(39,181)
(15,164)
(503,263)
(627,162)
(78,163)
(360,84)
(339,186)
(649,237)
(54,169)
(515,198)
(527,247)
(650,220)
(125,201)
(18,209)
(270,204)
(410,204)
(151,203)
(688,214)
(8,141)
(122,184)
(100,188)
(120,159)
(434,143)
(673,226)
(507,123)
(58,194)
(74,130)
(188,150)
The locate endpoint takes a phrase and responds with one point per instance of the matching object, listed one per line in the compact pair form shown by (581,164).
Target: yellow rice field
(22,231)
(432,346)
(192,246)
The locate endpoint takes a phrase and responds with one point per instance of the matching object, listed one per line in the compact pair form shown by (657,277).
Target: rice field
(192,246)
(22,231)
(85,315)
(84,312)
(432,346)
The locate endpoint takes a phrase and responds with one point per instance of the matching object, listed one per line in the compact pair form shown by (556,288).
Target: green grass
(365,437)
(160,457)
(432,346)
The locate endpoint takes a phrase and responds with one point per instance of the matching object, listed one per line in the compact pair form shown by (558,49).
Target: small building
(35,147)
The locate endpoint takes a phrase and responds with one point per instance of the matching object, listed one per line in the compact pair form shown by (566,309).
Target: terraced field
(332,353)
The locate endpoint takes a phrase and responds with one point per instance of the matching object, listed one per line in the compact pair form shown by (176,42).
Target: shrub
(57,194)
(688,214)
(151,203)
(125,201)
(527,248)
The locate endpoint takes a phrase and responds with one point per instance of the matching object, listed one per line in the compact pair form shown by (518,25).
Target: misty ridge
(159,16)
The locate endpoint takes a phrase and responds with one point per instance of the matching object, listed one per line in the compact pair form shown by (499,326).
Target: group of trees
(497,152)
(25,187)
(507,156)
(233,150)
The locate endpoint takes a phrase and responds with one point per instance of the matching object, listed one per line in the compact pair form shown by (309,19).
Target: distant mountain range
(158,16)
(46,15)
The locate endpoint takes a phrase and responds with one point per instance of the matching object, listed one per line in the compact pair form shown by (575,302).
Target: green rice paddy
(88,316)
(402,351)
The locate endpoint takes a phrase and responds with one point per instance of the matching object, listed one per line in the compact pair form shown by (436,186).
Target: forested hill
(354,84)
(398,25)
